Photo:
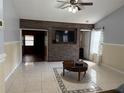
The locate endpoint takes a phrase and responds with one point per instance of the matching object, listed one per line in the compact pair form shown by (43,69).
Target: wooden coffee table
(75,67)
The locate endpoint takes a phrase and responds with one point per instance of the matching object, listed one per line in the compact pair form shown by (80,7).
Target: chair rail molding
(12,42)
(2,57)
(112,44)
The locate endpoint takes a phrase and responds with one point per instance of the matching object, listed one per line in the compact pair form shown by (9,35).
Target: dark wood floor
(32,58)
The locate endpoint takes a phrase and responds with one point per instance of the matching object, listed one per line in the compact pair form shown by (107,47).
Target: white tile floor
(40,78)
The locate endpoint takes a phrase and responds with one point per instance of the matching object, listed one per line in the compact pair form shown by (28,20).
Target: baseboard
(112,68)
(12,72)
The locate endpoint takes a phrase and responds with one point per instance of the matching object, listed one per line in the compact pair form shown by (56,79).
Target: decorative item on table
(80,60)
(79,63)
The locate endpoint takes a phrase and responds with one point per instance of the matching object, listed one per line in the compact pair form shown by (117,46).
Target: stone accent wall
(58,52)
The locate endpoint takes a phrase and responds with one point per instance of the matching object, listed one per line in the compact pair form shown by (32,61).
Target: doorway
(85,37)
(34,48)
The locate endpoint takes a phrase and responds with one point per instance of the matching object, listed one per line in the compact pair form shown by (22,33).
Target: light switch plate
(1,23)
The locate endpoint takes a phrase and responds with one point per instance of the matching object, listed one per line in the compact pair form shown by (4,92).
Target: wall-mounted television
(65,36)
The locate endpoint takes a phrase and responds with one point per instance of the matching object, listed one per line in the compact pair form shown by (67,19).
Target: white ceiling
(46,10)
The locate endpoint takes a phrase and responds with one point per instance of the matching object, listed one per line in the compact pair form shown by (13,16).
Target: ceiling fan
(73,5)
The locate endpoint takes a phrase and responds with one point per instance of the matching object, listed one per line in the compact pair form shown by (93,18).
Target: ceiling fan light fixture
(75,9)
(76,1)
(70,9)
(74,6)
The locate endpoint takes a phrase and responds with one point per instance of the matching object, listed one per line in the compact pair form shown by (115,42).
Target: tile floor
(40,78)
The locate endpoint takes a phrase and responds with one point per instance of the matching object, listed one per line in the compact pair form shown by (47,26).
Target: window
(95,41)
(29,40)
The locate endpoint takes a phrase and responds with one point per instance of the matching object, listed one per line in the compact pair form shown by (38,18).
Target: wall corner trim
(2,57)
(112,68)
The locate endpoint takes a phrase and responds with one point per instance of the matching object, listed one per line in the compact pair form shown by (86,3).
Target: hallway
(34,46)
(42,78)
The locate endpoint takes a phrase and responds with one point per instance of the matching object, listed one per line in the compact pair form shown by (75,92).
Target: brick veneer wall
(58,52)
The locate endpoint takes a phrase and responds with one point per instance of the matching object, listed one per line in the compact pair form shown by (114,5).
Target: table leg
(63,71)
(79,73)
(84,74)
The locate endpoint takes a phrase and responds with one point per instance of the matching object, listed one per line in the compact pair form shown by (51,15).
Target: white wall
(2,87)
(114,27)
(12,39)
(1,9)
(1,41)
(1,30)
(113,47)
(11,21)
(87,35)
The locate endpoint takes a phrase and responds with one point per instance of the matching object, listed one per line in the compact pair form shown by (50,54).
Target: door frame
(83,30)
(45,30)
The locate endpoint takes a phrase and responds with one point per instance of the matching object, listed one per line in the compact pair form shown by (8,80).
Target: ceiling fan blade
(62,1)
(62,5)
(78,7)
(65,7)
(88,4)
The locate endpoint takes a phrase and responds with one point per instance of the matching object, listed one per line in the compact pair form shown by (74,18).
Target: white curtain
(96,46)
